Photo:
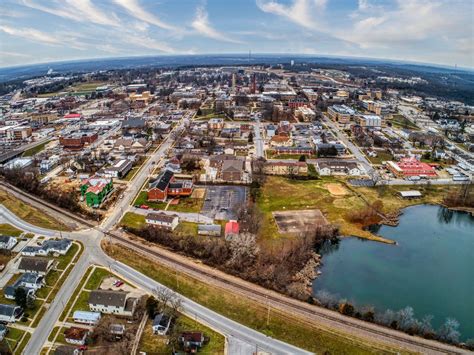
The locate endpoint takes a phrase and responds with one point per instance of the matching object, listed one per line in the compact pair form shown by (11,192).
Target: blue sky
(431,31)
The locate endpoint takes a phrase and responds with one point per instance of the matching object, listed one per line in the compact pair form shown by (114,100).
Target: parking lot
(223,202)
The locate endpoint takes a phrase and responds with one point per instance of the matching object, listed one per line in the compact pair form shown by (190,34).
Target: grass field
(381,157)
(35,150)
(186,204)
(283,326)
(133,220)
(314,194)
(29,213)
(8,229)
(96,278)
(401,122)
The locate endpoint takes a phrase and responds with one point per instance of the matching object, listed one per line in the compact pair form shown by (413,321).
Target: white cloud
(77,10)
(302,12)
(201,25)
(134,9)
(147,42)
(32,35)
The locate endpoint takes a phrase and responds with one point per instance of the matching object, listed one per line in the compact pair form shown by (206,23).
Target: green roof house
(95,190)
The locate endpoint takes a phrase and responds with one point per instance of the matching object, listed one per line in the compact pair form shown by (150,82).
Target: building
(232,170)
(369,121)
(10,313)
(281,140)
(161,324)
(209,229)
(341,113)
(18,163)
(29,281)
(407,167)
(162,220)
(166,185)
(119,170)
(95,190)
(305,113)
(191,341)
(112,302)
(7,242)
(338,167)
(37,265)
(77,140)
(76,336)
(215,123)
(60,246)
(411,194)
(86,317)
(231,228)
(285,168)
(15,132)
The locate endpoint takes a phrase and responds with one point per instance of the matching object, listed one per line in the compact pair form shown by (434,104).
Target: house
(117,329)
(3,331)
(60,246)
(270,130)
(37,265)
(95,190)
(281,140)
(112,302)
(75,335)
(191,341)
(231,229)
(161,324)
(232,170)
(166,185)
(119,170)
(285,168)
(85,317)
(10,313)
(162,220)
(7,242)
(31,282)
(209,229)
(338,167)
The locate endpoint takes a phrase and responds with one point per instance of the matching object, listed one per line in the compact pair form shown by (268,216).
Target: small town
(246,204)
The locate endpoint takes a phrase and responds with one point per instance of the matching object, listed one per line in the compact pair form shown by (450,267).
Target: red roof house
(411,167)
(231,227)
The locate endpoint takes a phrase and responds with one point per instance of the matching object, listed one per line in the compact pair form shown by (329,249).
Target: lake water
(430,269)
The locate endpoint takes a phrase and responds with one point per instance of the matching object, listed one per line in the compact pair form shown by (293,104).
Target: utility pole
(268,311)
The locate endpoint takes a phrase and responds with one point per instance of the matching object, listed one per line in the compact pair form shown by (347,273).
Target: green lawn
(20,347)
(96,278)
(187,228)
(133,220)
(381,157)
(65,260)
(131,173)
(35,150)
(186,204)
(81,303)
(8,229)
(283,326)
(401,122)
(76,292)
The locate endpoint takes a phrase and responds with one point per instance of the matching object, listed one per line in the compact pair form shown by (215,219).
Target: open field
(283,326)
(186,204)
(133,220)
(298,221)
(337,189)
(29,213)
(381,157)
(402,122)
(280,194)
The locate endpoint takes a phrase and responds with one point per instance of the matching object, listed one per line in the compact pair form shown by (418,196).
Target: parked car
(145,207)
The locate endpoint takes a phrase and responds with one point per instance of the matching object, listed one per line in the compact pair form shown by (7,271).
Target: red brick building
(166,185)
(411,167)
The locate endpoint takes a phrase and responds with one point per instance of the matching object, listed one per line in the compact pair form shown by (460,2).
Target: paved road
(351,146)
(258,140)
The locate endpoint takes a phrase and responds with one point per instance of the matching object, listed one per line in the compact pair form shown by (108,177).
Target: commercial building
(407,167)
(341,113)
(162,220)
(369,121)
(166,185)
(77,140)
(119,170)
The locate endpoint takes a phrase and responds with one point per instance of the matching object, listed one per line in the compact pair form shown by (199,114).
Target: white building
(7,242)
(85,317)
(112,302)
(162,220)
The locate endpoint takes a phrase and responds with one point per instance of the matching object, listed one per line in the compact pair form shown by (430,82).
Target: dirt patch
(337,189)
(298,221)
(198,193)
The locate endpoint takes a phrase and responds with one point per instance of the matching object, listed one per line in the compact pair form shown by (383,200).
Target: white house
(338,167)
(10,313)
(112,302)
(76,336)
(161,324)
(86,317)
(7,242)
(162,220)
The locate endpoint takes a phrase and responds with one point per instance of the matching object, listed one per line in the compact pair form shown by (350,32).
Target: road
(258,140)
(239,336)
(351,146)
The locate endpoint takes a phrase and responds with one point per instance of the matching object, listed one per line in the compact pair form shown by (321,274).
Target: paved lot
(223,202)
(298,221)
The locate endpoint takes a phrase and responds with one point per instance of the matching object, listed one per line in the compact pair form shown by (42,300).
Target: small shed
(209,229)
(411,194)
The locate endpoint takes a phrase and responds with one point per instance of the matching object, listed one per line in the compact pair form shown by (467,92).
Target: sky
(428,31)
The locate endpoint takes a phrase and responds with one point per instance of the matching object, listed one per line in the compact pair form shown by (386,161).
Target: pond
(430,269)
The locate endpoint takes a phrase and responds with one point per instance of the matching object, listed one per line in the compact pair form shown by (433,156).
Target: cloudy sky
(431,31)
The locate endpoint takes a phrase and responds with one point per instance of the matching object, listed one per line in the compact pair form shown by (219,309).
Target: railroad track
(249,291)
